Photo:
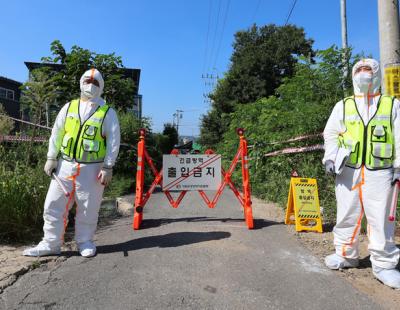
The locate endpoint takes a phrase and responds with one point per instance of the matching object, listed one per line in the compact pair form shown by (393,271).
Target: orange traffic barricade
(142,197)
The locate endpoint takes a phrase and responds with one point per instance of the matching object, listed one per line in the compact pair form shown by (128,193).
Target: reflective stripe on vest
(371,145)
(84,143)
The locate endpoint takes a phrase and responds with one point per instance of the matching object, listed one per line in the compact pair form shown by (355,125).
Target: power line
(222,32)
(290,12)
(256,10)
(208,32)
(211,75)
(215,34)
(205,75)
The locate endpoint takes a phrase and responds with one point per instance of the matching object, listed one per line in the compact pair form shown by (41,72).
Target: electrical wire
(256,10)
(222,32)
(290,12)
(215,35)
(207,36)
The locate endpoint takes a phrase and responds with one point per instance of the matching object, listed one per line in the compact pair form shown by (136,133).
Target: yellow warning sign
(392,79)
(303,205)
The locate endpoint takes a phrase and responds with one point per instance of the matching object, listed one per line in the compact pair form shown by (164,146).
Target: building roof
(134,74)
(3,78)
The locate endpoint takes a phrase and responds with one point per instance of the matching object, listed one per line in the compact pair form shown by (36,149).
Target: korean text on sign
(191,172)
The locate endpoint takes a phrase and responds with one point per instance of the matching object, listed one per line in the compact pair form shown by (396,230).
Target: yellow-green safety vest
(84,143)
(371,145)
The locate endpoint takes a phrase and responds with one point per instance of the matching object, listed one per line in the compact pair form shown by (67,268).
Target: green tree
(118,90)
(172,137)
(6,124)
(262,58)
(39,94)
(301,106)
(164,142)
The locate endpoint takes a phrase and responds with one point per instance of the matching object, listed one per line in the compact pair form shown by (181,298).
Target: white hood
(376,76)
(94,74)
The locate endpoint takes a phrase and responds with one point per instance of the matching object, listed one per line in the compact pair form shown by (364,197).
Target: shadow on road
(152,223)
(163,241)
(260,223)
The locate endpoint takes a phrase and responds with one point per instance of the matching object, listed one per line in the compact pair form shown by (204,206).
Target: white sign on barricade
(191,172)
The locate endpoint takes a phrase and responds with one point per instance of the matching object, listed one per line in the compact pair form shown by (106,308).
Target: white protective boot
(42,249)
(336,262)
(389,277)
(87,249)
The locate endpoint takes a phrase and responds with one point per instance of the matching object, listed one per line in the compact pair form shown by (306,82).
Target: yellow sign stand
(303,205)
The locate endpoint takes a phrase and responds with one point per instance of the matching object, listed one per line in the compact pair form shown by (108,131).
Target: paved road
(189,258)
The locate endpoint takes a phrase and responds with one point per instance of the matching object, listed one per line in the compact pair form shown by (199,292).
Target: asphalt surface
(188,258)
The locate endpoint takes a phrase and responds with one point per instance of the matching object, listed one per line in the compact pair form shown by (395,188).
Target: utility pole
(389,42)
(344,39)
(210,80)
(178,115)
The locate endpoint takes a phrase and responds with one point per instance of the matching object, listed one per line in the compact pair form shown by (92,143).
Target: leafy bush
(23,188)
(121,184)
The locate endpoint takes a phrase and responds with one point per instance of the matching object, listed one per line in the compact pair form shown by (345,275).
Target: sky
(173,42)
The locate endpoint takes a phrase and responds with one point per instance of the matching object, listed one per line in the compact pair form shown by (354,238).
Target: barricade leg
(248,213)
(138,210)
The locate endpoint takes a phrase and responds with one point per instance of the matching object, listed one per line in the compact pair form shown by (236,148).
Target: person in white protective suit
(368,125)
(86,136)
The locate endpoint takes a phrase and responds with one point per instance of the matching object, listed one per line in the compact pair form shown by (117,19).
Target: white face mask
(364,81)
(90,90)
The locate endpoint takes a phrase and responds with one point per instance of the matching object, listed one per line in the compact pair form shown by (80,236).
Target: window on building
(3,92)
(6,93)
(10,94)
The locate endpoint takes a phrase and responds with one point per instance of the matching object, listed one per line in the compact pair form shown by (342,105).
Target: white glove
(396,175)
(105,176)
(330,167)
(50,166)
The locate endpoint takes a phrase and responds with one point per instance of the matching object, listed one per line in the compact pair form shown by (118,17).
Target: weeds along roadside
(24,185)
(23,188)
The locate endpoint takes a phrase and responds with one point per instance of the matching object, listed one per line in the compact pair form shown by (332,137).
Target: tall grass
(23,188)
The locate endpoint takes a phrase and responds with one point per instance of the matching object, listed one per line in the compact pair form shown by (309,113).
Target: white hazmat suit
(84,182)
(362,191)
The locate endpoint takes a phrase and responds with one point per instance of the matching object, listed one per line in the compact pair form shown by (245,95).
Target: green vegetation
(262,58)
(23,188)
(118,90)
(302,105)
(298,101)
(6,124)
(24,185)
